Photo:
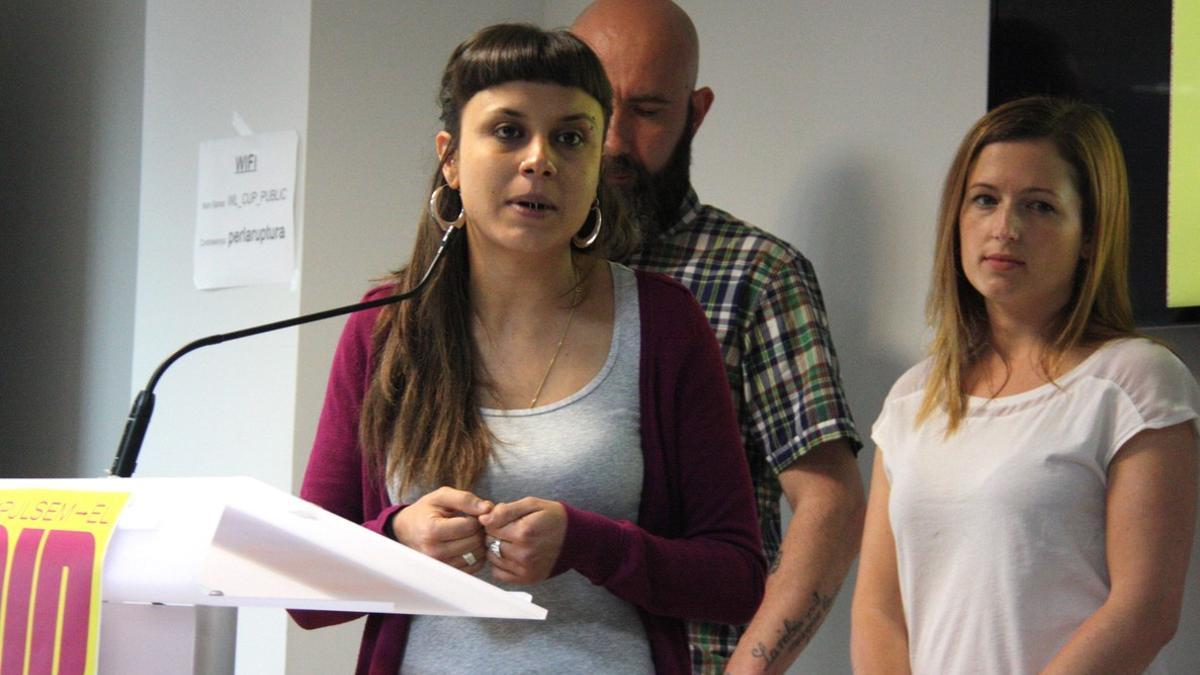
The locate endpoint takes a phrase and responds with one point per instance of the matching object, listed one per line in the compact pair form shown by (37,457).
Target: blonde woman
(1035,482)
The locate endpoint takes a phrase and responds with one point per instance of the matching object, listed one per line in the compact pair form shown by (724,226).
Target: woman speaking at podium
(538,414)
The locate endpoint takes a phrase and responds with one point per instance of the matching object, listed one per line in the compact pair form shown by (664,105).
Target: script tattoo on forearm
(794,634)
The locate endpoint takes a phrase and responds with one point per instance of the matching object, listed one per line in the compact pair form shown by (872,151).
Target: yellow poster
(54,543)
(1183,191)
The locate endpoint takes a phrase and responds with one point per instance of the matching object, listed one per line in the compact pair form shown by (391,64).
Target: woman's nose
(1006,224)
(538,161)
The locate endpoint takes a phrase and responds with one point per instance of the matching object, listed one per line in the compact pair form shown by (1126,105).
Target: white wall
(229,409)
(203,64)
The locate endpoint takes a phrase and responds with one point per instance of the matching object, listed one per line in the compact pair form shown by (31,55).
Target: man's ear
(702,100)
(449,169)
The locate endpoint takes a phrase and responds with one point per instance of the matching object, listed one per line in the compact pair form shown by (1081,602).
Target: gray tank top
(585,450)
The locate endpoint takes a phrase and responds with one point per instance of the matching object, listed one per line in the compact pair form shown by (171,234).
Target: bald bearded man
(763,301)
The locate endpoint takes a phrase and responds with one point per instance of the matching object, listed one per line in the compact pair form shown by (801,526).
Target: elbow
(1162,626)
(1165,635)
(1151,621)
(1159,616)
(860,651)
(736,600)
(847,518)
(856,519)
(878,641)
(743,614)
(742,608)
(836,510)
(750,608)
(306,619)
(861,638)
(309,619)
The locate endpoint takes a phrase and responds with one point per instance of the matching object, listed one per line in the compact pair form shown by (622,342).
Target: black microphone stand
(143,405)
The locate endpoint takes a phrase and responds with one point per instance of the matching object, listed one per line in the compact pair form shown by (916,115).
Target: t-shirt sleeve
(883,431)
(894,419)
(1158,387)
(793,389)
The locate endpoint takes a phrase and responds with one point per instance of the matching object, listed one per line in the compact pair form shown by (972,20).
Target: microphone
(143,405)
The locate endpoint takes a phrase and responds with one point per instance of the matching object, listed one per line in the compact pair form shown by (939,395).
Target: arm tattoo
(793,635)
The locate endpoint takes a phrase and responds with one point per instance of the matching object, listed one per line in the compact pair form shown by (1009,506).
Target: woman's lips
(1002,262)
(533,205)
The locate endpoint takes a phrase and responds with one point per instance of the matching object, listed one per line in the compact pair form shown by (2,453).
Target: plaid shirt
(762,299)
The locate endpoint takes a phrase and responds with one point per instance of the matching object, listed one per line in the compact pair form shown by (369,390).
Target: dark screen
(1115,54)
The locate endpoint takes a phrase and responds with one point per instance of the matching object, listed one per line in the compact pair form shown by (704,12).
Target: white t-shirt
(999,529)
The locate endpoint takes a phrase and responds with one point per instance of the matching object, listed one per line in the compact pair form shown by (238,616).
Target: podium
(186,552)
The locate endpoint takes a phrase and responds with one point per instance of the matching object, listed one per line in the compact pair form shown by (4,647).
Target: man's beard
(655,198)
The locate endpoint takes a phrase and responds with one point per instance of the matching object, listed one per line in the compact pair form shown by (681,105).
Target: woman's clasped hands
(461,529)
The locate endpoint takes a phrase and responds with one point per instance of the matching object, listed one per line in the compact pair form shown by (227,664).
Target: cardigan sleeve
(696,553)
(336,477)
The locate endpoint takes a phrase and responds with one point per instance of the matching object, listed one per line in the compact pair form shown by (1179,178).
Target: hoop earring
(435,211)
(591,238)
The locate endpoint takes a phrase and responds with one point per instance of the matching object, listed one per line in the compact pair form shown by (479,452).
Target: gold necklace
(553,359)
(576,300)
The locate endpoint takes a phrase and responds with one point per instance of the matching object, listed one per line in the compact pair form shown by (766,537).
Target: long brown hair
(1098,310)
(420,421)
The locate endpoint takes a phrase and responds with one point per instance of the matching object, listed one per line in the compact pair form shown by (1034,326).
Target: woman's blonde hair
(1099,308)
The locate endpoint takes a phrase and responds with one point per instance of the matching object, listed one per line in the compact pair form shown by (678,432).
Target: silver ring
(494,547)
(469,557)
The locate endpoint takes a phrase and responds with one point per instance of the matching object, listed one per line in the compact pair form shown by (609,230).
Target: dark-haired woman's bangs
(557,58)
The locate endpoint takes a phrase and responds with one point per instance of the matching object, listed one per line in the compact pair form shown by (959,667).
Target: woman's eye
(571,138)
(507,131)
(1042,207)
(983,200)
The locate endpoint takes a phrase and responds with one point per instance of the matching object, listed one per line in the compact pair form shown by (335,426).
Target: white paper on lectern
(352,567)
(240,542)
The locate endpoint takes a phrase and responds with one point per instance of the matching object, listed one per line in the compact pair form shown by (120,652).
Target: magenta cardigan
(695,552)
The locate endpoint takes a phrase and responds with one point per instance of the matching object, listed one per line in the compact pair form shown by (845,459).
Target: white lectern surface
(240,542)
